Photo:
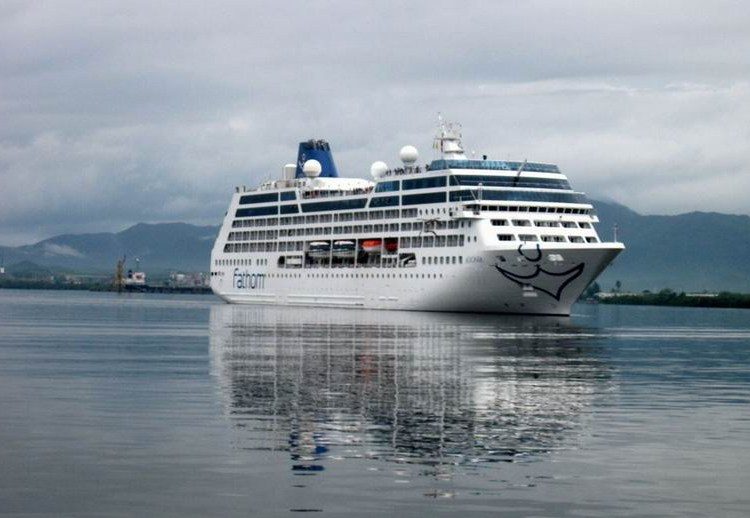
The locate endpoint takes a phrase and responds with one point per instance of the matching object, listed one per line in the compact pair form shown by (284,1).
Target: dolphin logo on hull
(551,283)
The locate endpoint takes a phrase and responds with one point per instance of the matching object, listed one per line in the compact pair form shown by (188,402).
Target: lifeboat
(391,246)
(371,245)
(319,249)
(343,249)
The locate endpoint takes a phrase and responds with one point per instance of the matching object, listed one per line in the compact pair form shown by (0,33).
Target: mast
(448,140)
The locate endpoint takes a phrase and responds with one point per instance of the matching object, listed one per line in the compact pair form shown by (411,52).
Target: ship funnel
(316,150)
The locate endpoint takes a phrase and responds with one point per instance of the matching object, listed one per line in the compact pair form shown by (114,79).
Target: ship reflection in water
(440,391)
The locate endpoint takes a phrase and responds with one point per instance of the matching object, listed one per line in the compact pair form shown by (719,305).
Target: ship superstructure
(457,234)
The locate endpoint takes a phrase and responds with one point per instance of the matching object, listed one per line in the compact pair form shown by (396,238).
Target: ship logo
(550,282)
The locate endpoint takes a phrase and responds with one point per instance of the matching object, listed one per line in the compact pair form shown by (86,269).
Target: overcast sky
(113,113)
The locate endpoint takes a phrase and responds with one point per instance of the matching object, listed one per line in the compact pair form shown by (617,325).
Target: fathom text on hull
(456,234)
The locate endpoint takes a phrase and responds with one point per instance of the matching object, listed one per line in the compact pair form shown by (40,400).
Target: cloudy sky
(112,113)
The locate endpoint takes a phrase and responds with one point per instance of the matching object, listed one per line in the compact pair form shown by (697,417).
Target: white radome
(312,168)
(408,154)
(378,169)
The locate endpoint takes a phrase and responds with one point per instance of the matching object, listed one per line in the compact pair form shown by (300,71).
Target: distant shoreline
(34,285)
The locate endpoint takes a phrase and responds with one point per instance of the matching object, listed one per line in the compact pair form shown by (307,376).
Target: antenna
(615,228)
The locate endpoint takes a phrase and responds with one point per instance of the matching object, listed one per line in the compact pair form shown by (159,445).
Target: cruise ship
(456,234)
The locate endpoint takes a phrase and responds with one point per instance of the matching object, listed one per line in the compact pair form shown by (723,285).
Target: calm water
(175,406)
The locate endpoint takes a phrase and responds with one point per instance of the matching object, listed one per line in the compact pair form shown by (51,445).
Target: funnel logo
(546,281)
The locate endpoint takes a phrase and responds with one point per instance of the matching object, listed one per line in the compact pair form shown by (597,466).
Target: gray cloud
(113,113)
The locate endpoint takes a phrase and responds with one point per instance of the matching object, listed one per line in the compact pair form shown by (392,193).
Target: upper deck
(313,185)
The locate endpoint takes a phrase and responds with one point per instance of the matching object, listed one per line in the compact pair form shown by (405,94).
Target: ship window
(569,224)
(384,201)
(288,209)
(528,237)
(548,224)
(499,222)
(522,222)
(510,181)
(288,195)
(259,198)
(356,203)
(387,186)
(424,183)
(575,239)
(256,211)
(505,237)
(428,197)
(584,225)
(558,197)
(592,240)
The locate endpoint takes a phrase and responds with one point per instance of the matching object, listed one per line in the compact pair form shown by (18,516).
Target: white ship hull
(525,283)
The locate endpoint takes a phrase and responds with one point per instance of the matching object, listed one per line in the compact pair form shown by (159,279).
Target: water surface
(183,406)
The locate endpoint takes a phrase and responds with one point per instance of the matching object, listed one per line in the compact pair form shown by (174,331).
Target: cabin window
(418,199)
(387,186)
(384,201)
(259,198)
(424,183)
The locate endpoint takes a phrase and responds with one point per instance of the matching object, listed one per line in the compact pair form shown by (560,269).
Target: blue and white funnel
(316,150)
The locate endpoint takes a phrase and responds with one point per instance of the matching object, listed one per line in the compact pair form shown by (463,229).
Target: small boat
(371,245)
(319,249)
(343,249)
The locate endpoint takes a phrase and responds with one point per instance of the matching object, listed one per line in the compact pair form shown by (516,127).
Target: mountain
(692,252)
(160,247)
(688,252)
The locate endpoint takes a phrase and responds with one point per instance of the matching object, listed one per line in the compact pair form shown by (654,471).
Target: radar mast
(448,140)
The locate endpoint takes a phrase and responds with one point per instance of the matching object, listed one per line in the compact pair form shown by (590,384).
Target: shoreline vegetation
(592,295)
(668,297)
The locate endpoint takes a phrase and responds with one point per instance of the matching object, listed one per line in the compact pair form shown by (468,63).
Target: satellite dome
(378,169)
(312,168)
(408,155)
